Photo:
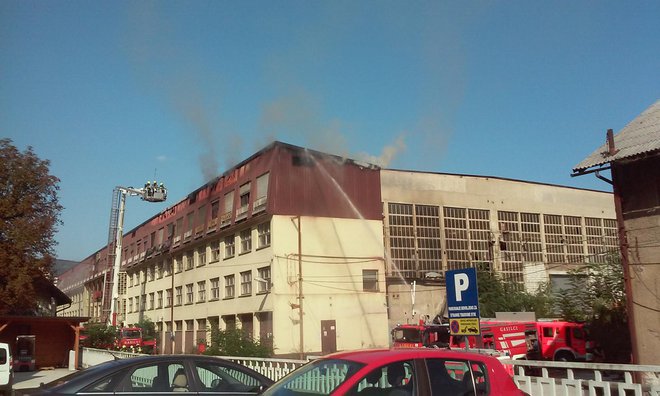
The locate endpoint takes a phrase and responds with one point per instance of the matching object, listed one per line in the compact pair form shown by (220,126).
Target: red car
(399,372)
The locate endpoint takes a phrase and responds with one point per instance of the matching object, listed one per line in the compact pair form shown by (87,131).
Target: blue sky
(115,93)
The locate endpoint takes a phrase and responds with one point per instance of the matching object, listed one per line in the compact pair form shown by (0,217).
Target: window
(263,230)
(246,241)
(229,286)
(458,377)
(179,295)
(212,373)
(246,283)
(190,260)
(151,300)
(370,280)
(150,273)
(201,291)
(178,264)
(169,298)
(215,209)
(158,273)
(122,283)
(264,279)
(130,305)
(230,248)
(215,288)
(227,208)
(189,293)
(244,201)
(190,218)
(201,256)
(130,280)
(215,251)
(159,300)
(261,194)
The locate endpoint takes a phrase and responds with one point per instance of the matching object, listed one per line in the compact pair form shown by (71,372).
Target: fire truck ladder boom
(150,193)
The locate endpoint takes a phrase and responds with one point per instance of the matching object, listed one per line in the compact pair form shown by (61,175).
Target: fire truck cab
(421,335)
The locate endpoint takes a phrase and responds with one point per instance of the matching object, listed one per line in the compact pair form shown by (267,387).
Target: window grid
(246,283)
(189,293)
(201,256)
(456,238)
(190,260)
(215,288)
(159,300)
(554,239)
(229,286)
(427,229)
(230,247)
(574,239)
(402,239)
(264,273)
(179,295)
(263,230)
(511,254)
(246,241)
(215,251)
(369,280)
(201,291)
(532,246)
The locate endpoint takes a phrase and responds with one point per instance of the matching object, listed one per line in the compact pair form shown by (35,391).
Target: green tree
(29,215)
(100,336)
(597,296)
(496,295)
(236,342)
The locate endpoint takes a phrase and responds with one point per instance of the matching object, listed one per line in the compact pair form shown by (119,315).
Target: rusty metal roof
(640,136)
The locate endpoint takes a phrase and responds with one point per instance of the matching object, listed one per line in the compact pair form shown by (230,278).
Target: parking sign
(463,301)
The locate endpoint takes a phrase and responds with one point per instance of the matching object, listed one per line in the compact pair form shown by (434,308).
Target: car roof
(395,354)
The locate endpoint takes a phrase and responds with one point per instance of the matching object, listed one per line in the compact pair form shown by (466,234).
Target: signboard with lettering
(463,301)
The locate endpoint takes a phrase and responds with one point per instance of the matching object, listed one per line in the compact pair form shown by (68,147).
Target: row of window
(215,251)
(416,233)
(219,214)
(194,293)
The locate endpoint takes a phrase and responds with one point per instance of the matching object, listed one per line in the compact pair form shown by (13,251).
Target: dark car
(400,372)
(164,374)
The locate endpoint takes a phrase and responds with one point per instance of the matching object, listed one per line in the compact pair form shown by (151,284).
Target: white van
(6,372)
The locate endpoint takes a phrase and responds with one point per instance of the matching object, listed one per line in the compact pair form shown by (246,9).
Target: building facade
(633,158)
(317,253)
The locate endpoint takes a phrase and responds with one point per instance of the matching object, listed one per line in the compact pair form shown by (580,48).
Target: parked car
(161,374)
(400,372)
(6,369)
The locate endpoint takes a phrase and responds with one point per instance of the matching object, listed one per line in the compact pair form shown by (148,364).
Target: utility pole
(300,292)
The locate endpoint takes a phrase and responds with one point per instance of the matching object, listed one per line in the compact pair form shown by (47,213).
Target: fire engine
(534,340)
(131,337)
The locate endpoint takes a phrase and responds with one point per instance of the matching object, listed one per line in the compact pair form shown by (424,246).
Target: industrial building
(315,252)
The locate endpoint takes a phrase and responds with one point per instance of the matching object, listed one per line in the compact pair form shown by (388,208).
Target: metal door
(328,336)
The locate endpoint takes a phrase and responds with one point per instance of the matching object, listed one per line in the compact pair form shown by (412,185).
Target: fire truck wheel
(564,357)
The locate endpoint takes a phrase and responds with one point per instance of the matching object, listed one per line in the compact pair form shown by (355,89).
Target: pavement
(32,379)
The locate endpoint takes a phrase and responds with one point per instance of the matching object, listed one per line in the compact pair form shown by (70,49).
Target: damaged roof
(640,136)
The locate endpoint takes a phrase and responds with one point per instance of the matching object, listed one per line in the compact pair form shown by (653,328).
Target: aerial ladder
(151,193)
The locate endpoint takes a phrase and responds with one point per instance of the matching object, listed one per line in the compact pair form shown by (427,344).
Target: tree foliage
(236,342)
(597,296)
(29,215)
(496,295)
(100,336)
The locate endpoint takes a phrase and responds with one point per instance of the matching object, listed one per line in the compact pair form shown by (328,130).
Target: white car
(6,372)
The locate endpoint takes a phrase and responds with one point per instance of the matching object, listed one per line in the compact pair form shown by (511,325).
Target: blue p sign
(462,293)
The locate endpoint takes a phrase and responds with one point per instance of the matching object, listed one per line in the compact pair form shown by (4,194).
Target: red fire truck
(534,340)
(131,337)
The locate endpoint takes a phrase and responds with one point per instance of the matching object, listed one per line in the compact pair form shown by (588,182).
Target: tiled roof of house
(640,136)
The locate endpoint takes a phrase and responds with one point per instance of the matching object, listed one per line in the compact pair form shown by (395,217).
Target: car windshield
(319,377)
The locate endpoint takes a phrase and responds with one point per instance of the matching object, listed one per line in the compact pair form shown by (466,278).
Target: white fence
(534,377)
